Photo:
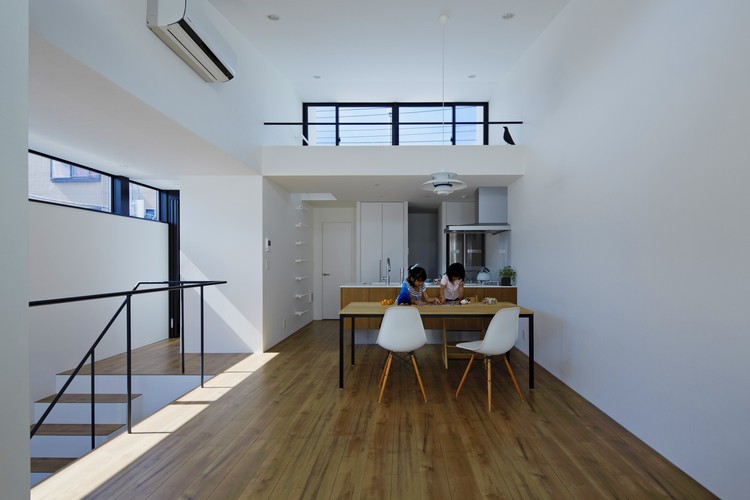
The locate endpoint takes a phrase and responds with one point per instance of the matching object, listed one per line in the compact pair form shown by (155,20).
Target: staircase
(66,433)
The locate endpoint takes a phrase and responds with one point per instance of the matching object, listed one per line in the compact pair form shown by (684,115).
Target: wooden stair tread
(76,429)
(49,464)
(86,398)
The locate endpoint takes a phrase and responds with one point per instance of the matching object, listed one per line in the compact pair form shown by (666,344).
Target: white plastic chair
(401,331)
(501,335)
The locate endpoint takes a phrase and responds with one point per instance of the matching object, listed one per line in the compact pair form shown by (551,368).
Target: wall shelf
(300,278)
(300,313)
(300,260)
(299,243)
(300,295)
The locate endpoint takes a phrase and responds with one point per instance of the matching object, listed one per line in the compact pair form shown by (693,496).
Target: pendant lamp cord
(443,20)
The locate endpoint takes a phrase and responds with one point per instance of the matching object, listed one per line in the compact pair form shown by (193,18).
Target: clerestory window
(405,124)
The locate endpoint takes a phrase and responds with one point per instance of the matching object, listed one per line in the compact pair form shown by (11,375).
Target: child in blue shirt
(413,290)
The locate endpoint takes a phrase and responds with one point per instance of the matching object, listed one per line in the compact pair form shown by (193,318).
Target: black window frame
(119,191)
(395,117)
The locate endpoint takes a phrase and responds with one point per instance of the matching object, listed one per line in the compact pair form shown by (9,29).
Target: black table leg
(341,352)
(531,352)
(352,340)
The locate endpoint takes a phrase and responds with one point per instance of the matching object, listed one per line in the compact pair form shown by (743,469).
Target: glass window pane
(60,182)
(373,134)
(469,134)
(422,134)
(321,135)
(144,202)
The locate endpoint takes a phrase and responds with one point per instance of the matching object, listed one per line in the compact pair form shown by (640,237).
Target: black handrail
(173,285)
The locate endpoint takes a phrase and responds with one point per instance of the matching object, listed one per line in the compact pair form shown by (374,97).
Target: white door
(337,265)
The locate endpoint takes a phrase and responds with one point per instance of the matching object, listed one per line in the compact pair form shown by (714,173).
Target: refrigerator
(468,249)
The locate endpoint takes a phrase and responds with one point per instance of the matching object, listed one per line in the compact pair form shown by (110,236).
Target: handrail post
(129,367)
(93,400)
(182,328)
(202,335)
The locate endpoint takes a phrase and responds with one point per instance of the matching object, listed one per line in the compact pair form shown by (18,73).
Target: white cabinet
(382,232)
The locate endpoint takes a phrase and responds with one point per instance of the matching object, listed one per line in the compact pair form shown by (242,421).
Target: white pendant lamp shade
(443,183)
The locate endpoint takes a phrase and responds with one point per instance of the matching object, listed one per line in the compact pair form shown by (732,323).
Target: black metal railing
(128,294)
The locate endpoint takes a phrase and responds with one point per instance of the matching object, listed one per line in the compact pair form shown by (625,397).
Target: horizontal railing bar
(79,298)
(391,123)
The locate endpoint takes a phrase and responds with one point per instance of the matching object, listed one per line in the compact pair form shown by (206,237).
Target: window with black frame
(56,181)
(406,124)
(53,180)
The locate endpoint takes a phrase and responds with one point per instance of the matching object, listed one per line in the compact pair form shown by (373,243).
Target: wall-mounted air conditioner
(186,28)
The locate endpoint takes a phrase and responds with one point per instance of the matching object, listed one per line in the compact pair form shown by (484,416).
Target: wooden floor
(163,358)
(288,431)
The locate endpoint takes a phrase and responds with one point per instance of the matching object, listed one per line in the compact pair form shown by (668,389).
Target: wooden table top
(470,309)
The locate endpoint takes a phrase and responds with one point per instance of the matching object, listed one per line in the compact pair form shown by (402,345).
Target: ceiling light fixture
(273,17)
(443,183)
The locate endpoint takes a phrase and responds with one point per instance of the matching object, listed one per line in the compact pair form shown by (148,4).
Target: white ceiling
(391,50)
(382,51)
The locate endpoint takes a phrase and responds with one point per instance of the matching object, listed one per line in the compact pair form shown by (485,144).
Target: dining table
(355,310)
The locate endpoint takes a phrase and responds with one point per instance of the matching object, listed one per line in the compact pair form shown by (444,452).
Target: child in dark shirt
(413,290)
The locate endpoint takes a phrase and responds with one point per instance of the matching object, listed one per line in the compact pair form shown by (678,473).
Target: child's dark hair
(416,273)
(456,270)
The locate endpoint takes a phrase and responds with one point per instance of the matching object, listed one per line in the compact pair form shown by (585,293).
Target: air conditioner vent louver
(185,28)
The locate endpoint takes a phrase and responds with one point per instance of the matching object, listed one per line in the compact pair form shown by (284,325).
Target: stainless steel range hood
(491,213)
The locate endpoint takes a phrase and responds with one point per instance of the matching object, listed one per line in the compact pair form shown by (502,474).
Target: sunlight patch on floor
(100,465)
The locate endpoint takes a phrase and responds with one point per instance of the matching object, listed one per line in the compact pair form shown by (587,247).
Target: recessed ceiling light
(317,77)
(274,17)
(472,76)
(508,15)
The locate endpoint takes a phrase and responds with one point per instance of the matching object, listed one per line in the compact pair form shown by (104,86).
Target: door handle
(326,274)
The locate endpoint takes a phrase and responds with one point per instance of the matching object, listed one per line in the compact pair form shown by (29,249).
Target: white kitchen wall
(221,238)
(82,252)
(14,297)
(629,228)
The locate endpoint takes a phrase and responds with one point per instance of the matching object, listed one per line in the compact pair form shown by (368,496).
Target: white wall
(221,238)
(630,230)
(81,252)
(14,355)
(113,39)
(283,278)
(329,214)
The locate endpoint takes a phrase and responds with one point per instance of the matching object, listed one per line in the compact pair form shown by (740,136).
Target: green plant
(508,273)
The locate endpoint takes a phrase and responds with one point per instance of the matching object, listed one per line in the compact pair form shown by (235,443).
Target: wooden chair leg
(513,377)
(385,375)
(382,372)
(463,379)
(419,378)
(488,365)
